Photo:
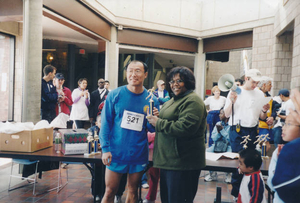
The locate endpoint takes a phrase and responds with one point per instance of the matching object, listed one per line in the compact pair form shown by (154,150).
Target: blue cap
(59,76)
(284,92)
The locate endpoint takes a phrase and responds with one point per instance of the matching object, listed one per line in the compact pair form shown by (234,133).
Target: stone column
(112,59)
(32,42)
(295,77)
(200,70)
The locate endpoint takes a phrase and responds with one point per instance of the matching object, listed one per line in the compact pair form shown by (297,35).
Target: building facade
(97,38)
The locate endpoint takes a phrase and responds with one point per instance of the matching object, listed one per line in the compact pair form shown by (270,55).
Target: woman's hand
(155,112)
(86,93)
(106,158)
(152,119)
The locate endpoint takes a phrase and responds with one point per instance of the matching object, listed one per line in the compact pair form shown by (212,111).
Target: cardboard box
(27,140)
(74,141)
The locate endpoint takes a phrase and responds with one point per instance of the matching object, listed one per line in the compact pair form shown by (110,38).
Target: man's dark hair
(252,158)
(107,81)
(185,74)
(239,80)
(137,61)
(48,69)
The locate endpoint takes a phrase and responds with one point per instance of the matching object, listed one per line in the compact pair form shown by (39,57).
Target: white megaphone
(227,82)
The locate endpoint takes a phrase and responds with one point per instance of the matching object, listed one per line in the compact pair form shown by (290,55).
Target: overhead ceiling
(53,30)
(166,60)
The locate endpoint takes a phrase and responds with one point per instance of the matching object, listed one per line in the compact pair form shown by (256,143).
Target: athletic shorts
(126,168)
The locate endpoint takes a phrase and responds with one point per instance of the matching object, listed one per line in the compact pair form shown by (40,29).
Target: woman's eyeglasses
(289,124)
(175,81)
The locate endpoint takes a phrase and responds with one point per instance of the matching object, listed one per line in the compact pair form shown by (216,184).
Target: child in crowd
(220,133)
(97,126)
(252,187)
(290,132)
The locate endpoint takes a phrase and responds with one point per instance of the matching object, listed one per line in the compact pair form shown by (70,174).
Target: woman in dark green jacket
(179,148)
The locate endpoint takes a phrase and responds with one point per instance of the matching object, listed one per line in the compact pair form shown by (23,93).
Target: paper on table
(215,156)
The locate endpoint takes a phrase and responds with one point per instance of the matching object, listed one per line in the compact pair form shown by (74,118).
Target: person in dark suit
(97,97)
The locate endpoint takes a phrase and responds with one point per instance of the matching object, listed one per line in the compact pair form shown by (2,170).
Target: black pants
(178,186)
(79,124)
(99,175)
(48,115)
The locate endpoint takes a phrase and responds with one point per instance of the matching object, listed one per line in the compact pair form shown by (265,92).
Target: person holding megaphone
(244,106)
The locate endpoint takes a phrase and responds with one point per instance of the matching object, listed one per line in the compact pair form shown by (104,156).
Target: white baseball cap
(254,74)
(160,82)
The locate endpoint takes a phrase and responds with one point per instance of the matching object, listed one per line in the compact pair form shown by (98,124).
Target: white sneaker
(64,165)
(145,186)
(210,177)
(118,199)
(148,201)
(97,199)
(235,199)
(228,178)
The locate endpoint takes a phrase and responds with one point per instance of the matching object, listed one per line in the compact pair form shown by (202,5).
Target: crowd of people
(171,133)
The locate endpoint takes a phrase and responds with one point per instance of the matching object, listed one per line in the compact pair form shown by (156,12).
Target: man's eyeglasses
(136,72)
(175,81)
(101,82)
(289,124)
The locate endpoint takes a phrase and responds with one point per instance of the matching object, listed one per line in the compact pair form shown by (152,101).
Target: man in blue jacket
(123,133)
(49,94)
(161,94)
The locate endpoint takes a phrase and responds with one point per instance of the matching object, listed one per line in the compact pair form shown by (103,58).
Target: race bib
(132,121)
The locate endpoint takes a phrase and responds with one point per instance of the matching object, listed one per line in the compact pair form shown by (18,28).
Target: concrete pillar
(295,76)
(32,42)
(112,59)
(200,70)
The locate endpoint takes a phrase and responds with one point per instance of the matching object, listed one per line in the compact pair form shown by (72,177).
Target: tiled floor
(78,189)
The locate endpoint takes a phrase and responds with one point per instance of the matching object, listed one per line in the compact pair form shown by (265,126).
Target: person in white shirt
(243,111)
(215,103)
(161,94)
(286,104)
(81,101)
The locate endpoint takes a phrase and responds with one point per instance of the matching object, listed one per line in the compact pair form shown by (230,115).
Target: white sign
(132,121)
